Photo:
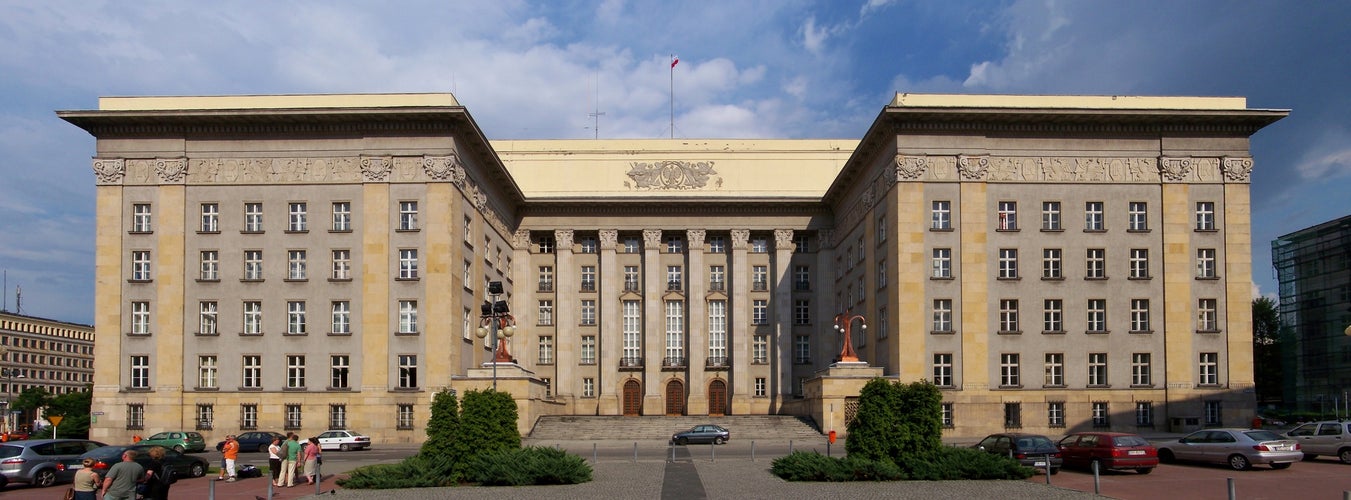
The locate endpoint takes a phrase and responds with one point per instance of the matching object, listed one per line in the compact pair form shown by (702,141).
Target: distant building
(54,355)
(311,262)
(1313,269)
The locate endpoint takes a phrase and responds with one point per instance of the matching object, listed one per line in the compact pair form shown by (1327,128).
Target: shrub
(950,463)
(896,419)
(417,471)
(531,465)
(813,466)
(488,422)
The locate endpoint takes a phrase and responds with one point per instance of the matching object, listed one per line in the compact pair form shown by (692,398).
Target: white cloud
(873,6)
(812,38)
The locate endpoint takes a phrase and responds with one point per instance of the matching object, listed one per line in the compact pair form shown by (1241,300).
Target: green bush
(951,463)
(531,465)
(488,422)
(417,471)
(813,466)
(896,419)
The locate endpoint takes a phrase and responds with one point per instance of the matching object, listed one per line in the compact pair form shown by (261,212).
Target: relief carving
(609,238)
(910,167)
(973,167)
(1175,169)
(375,168)
(783,239)
(171,170)
(442,168)
(521,239)
(1237,169)
(740,238)
(696,237)
(109,171)
(564,238)
(671,174)
(827,237)
(651,238)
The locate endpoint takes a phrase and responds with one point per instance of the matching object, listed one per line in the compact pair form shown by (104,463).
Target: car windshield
(1034,443)
(1263,435)
(1129,441)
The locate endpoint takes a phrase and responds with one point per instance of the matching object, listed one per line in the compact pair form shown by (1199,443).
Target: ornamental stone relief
(911,167)
(671,175)
(651,238)
(521,239)
(443,168)
(1071,169)
(564,239)
(696,237)
(375,168)
(740,238)
(109,171)
(609,238)
(171,170)
(783,239)
(1237,169)
(973,167)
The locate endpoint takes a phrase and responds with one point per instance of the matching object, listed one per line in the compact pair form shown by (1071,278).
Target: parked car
(707,433)
(344,440)
(1110,450)
(1239,448)
(184,465)
(179,441)
(38,461)
(1031,450)
(253,441)
(1324,438)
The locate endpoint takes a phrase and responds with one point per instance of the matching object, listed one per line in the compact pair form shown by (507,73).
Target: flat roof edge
(284,101)
(1021,101)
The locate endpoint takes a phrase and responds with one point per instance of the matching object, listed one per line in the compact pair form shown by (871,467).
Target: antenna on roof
(595,115)
(4,292)
(18,299)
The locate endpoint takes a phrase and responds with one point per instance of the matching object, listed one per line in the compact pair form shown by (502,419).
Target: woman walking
(86,481)
(311,460)
(274,454)
(156,485)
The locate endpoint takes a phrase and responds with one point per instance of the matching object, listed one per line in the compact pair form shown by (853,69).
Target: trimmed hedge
(531,465)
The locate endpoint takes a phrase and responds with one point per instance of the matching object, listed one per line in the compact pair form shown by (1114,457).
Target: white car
(1324,438)
(344,440)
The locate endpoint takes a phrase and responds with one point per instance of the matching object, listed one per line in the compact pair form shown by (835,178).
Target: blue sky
(525,70)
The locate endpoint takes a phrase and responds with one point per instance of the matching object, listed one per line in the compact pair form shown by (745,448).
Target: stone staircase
(619,428)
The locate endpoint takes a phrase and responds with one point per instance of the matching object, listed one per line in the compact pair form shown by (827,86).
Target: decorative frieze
(609,239)
(563,237)
(1116,170)
(651,238)
(1237,169)
(910,167)
(671,175)
(171,170)
(375,168)
(973,167)
(741,239)
(109,171)
(783,239)
(444,168)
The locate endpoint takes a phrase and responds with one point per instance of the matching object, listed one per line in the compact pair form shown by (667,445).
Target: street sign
(97,413)
(55,419)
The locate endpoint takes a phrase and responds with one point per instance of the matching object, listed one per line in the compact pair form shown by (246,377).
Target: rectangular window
(206,372)
(942,369)
(675,333)
(633,334)
(253,372)
(882,323)
(588,312)
(675,244)
(1101,417)
(759,349)
(941,215)
(631,279)
(468,231)
(1013,415)
(209,265)
(588,244)
(293,418)
(802,351)
(1205,263)
(802,278)
(717,278)
(1095,264)
(802,312)
(295,317)
(546,313)
(1139,216)
(674,278)
(588,278)
(337,416)
(1093,216)
(1008,316)
(1053,316)
(1208,369)
(1213,414)
(140,372)
(881,274)
(206,318)
(717,244)
(1050,264)
(946,413)
(1008,216)
(135,416)
(1139,263)
(882,227)
(1205,216)
(942,263)
(802,243)
(342,216)
(253,317)
(942,315)
(1140,315)
(253,217)
(1050,216)
(1055,414)
(210,218)
(408,216)
(546,244)
(759,278)
(405,417)
(408,371)
(342,264)
(1008,370)
(717,333)
(631,244)
(295,260)
(1144,414)
(760,387)
(140,218)
(588,350)
(298,221)
(1008,263)
(140,318)
(408,317)
(1055,369)
(759,245)
(140,265)
(1097,369)
(1141,370)
(546,350)
(295,372)
(248,417)
(1207,315)
(1097,316)
(760,312)
(408,264)
(340,365)
(253,265)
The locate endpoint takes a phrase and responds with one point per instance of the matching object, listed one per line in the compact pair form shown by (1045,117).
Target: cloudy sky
(537,69)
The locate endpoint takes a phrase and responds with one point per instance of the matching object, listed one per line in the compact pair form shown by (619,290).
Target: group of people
(283,455)
(123,478)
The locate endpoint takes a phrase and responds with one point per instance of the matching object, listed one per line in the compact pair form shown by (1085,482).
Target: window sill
(941,229)
(147,334)
(413,278)
(295,334)
(1144,332)
(406,389)
(1097,332)
(1008,230)
(1009,332)
(295,280)
(1200,230)
(1099,386)
(1208,278)
(339,280)
(242,334)
(942,332)
(296,231)
(251,280)
(200,334)
(250,389)
(1011,386)
(1053,278)
(1052,230)
(941,278)
(206,389)
(406,334)
(293,389)
(1208,331)
(137,389)
(1054,386)
(407,230)
(1005,278)
(1140,231)
(338,389)
(1095,278)
(339,230)
(1139,278)
(208,232)
(140,281)
(1095,230)
(251,232)
(403,428)
(208,280)
(1053,332)
(1142,386)
(140,232)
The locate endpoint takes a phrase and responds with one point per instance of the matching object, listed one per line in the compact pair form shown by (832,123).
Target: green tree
(28,402)
(488,421)
(73,408)
(875,433)
(1266,350)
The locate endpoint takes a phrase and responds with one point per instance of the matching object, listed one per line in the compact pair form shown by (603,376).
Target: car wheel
(1166,456)
(683,441)
(1344,455)
(1281,466)
(719,440)
(1309,456)
(1145,470)
(178,448)
(198,470)
(1239,462)
(45,478)
(343,447)
(262,448)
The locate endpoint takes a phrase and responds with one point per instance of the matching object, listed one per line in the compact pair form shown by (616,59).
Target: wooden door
(675,398)
(633,398)
(717,398)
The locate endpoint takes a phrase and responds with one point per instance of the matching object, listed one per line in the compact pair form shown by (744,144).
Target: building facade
(313,262)
(36,352)
(1313,271)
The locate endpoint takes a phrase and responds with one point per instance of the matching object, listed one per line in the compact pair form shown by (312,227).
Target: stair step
(611,427)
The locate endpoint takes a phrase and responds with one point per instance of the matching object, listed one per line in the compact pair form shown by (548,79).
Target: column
(783,312)
(738,322)
(166,404)
(696,350)
(654,316)
(611,341)
(566,285)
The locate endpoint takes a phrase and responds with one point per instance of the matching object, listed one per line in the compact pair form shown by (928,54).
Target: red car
(1111,450)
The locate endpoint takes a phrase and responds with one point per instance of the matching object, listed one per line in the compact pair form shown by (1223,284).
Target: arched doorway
(717,398)
(675,398)
(633,398)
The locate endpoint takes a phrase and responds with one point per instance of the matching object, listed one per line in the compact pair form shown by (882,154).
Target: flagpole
(673,65)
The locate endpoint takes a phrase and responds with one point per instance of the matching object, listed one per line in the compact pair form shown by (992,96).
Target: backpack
(248,471)
(167,475)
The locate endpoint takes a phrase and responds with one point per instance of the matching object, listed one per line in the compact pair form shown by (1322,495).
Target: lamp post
(842,322)
(497,316)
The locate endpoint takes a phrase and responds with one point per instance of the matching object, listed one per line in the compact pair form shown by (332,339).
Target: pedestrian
(157,486)
(311,459)
(86,481)
(274,454)
(122,478)
(292,455)
(231,453)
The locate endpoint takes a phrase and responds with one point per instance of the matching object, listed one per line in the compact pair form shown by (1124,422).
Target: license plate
(1039,464)
(1136,452)
(75,467)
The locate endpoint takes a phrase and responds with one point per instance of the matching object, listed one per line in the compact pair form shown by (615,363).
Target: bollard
(594,456)
(211,490)
(1097,485)
(752,450)
(635,452)
(712,452)
(1048,467)
(671,460)
(790,446)
(270,485)
(318,478)
(1232,493)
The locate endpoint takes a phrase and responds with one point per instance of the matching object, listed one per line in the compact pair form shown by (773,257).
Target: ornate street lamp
(842,322)
(497,316)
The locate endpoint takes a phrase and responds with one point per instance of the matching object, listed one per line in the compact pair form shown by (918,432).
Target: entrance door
(675,398)
(633,398)
(717,398)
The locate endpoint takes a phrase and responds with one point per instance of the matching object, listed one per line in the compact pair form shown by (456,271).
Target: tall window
(206,416)
(408,316)
(942,315)
(588,278)
(760,349)
(717,276)
(135,416)
(802,312)
(295,265)
(253,265)
(546,312)
(881,227)
(546,278)
(942,263)
(140,218)
(588,244)
(941,215)
(588,311)
(1138,212)
(881,273)
(295,372)
(342,264)
(943,369)
(633,333)
(253,317)
(945,412)
(588,351)
(1055,414)
(1097,369)
(1055,369)
(294,416)
(1205,216)
(1144,413)
(140,317)
(1050,216)
(760,312)
(405,417)
(298,221)
(408,264)
(1093,216)
(675,244)
(759,245)
(802,243)
(802,350)
(631,279)
(140,372)
(717,332)
(1140,315)
(588,387)
(337,416)
(1208,369)
(1008,216)
(717,244)
(759,278)
(1008,315)
(1097,315)
(1051,264)
(210,218)
(1139,263)
(1205,263)
(674,278)
(1095,264)
(253,217)
(342,216)
(675,333)
(340,365)
(248,416)
(206,372)
(140,265)
(252,375)
(1101,417)
(546,244)
(1140,369)
(1207,315)
(1053,315)
(1008,263)
(802,278)
(206,317)
(408,216)
(408,371)
(760,387)
(631,245)
(1212,413)
(210,265)
(295,317)
(1013,415)
(1008,370)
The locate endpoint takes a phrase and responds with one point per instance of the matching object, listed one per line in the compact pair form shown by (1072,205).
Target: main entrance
(675,398)
(633,398)
(717,398)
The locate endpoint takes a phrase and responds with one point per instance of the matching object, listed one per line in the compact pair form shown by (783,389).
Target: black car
(707,433)
(184,465)
(253,441)
(1031,450)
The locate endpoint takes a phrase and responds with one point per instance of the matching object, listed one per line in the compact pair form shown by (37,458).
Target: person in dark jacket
(156,486)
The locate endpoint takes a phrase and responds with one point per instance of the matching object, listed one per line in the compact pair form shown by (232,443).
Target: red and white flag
(674,61)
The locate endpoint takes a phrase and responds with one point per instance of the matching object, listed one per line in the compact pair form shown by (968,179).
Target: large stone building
(56,356)
(307,262)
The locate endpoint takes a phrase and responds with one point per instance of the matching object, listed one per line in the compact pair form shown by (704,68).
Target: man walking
(292,455)
(231,452)
(120,481)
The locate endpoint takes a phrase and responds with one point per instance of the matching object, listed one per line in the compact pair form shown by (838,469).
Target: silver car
(1324,438)
(1239,448)
(37,461)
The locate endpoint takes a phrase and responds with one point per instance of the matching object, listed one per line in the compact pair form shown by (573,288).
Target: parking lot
(1323,478)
